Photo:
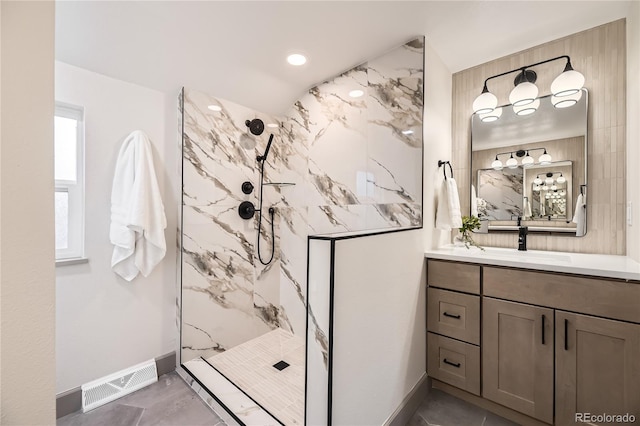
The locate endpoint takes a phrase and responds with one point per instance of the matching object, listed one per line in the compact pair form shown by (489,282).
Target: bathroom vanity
(544,334)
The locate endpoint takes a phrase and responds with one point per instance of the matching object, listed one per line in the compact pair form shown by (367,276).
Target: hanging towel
(137,213)
(474,202)
(580,216)
(527,208)
(443,219)
(448,212)
(454,203)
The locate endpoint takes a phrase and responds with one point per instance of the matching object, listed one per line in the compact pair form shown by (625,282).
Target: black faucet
(522,238)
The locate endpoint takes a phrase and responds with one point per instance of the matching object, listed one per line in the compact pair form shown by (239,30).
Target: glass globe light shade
(566,101)
(528,160)
(561,179)
(536,188)
(485,103)
(549,181)
(512,163)
(545,188)
(554,187)
(491,116)
(567,83)
(523,94)
(527,109)
(544,158)
(497,164)
(537,181)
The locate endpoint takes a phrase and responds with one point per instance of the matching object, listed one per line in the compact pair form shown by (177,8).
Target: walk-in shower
(248,339)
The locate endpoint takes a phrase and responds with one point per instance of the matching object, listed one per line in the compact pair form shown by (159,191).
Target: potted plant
(469,224)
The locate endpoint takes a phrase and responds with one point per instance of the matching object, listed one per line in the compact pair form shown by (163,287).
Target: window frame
(75,190)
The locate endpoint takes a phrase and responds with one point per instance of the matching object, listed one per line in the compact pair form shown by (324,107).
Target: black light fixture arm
(520,152)
(567,67)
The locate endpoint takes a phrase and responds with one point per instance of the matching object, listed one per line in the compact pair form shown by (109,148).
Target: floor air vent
(116,385)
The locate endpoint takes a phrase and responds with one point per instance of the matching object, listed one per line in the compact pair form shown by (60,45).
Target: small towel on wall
(138,220)
(448,214)
(580,216)
(474,202)
(527,208)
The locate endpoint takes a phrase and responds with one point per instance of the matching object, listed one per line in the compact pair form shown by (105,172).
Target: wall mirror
(529,168)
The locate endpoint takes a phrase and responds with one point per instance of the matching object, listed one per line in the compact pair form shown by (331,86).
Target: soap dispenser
(522,238)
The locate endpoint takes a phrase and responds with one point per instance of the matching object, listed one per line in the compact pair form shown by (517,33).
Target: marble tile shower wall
(356,164)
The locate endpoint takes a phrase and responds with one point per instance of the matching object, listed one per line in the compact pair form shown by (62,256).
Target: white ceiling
(236,49)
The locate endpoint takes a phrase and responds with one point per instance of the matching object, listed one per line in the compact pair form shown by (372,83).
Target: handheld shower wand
(263,157)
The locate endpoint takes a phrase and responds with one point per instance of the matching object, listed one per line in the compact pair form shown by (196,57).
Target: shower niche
(332,163)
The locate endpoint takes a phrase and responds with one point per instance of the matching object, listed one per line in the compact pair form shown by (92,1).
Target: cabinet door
(597,367)
(517,357)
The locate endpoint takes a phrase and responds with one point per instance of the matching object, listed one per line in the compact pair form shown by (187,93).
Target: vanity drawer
(455,315)
(454,362)
(454,276)
(595,296)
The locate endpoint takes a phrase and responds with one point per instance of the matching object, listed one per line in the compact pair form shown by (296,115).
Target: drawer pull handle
(447,314)
(543,320)
(566,334)
(455,364)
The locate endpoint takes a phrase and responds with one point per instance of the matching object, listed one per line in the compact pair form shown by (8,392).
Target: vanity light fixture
(512,163)
(567,85)
(525,91)
(545,158)
(528,160)
(486,102)
(497,164)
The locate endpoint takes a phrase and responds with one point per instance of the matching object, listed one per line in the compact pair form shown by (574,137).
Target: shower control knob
(247,187)
(246,210)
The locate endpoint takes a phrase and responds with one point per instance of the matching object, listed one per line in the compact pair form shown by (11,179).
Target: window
(69,175)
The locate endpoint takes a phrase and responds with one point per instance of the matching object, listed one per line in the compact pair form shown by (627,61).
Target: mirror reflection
(528,169)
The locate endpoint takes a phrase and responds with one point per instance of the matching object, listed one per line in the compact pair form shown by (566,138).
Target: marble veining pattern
(356,164)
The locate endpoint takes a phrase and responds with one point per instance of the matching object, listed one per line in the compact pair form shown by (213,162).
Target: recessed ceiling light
(356,93)
(407,132)
(296,59)
(214,108)
(272,125)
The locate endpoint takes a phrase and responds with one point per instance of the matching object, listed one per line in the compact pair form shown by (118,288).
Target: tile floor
(442,409)
(168,402)
(250,367)
(171,402)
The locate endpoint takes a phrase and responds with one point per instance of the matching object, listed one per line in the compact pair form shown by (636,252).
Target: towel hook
(444,170)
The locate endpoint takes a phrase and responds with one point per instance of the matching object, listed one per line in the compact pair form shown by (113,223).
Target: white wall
(26,199)
(633,129)
(437,140)
(379,329)
(104,323)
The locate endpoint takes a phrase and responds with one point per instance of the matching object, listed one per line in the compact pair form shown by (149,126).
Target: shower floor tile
(251,367)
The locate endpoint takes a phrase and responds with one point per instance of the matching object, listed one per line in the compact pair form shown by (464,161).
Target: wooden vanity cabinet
(551,345)
(517,354)
(597,367)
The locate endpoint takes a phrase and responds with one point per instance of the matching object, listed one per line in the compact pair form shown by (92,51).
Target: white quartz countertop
(599,265)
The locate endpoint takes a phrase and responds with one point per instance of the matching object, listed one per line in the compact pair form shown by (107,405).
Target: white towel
(474,202)
(443,219)
(137,213)
(580,216)
(448,214)
(527,208)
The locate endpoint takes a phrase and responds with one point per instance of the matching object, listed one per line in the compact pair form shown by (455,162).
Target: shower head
(256,126)
(263,157)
